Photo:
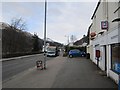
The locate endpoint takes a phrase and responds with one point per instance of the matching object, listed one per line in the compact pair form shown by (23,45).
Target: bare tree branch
(18,24)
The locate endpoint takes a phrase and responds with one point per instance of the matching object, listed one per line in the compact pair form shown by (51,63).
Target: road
(63,72)
(13,67)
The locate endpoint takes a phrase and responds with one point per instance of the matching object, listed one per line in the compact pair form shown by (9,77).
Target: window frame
(112,59)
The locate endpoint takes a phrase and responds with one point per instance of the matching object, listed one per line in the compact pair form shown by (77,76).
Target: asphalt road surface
(63,72)
(13,67)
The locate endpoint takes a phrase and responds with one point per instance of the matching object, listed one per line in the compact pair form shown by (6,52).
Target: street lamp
(67,38)
(44,66)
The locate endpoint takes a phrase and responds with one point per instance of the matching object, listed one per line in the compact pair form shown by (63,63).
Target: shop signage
(104,24)
(92,34)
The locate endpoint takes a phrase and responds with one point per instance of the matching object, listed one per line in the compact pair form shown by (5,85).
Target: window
(115,56)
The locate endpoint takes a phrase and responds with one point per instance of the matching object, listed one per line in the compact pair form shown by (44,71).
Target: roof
(81,41)
(96,9)
(89,29)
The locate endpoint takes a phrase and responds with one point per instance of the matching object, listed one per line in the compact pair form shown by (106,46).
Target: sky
(64,18)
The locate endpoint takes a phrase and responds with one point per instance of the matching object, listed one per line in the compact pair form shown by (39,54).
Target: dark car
(83,54)
(76,53)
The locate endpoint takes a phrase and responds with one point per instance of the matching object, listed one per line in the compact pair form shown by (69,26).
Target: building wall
(105,12)
(99,18)
(102,63)
(112,7)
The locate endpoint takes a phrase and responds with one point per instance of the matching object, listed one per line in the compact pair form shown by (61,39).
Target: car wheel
(70,56)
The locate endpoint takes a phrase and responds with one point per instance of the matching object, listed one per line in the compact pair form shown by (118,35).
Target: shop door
(105,57)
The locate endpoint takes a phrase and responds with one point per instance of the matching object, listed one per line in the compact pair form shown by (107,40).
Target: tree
(36,43)
(17,38)
(18,23)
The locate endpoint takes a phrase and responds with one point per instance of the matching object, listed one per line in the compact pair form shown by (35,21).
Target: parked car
(83,54)
(51,51)
(76,53)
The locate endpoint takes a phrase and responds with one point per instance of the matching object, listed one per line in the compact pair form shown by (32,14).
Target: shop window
(115,56)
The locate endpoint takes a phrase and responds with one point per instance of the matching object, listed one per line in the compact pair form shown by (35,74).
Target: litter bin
(39,64)
(88,55)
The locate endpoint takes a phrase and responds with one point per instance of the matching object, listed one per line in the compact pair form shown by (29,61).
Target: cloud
(71,20)
(63,18)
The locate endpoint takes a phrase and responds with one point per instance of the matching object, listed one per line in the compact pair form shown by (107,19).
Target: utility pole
(44,66)
(68,39)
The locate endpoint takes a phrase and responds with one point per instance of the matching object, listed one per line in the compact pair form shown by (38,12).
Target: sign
(97,53)
(92,34)
(104,24)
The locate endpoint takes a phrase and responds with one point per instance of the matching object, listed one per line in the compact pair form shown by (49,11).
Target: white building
(105,37)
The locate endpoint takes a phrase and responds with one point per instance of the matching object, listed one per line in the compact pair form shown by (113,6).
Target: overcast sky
(63,18)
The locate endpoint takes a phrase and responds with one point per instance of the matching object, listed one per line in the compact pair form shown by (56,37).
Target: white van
(51,51)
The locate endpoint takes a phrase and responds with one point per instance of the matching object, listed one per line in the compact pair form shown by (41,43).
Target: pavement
(62,72)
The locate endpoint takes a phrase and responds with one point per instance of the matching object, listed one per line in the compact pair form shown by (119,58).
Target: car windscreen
(51,49)
(74,51)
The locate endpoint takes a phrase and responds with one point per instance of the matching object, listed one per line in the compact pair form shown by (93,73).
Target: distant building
(70,44)
(82,42)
